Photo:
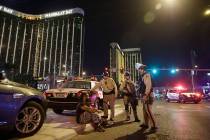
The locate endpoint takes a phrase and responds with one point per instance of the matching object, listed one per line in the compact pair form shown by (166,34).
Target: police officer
(129,96)
(109,93)
(146,89)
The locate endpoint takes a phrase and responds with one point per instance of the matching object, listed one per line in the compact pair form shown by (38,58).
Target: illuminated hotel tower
(50,43)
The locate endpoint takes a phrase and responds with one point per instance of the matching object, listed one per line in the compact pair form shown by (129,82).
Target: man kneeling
(85,114)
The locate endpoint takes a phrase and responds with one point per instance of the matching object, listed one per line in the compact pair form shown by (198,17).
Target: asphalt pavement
(175,122)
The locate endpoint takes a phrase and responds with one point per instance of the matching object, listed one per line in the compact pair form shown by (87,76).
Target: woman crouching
(85,114)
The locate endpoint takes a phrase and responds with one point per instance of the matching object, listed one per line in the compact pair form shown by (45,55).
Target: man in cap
(146,89)
(109,94)
(129,96)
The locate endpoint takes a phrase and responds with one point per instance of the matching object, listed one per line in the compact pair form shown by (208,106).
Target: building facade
(131,57)
(50,43)
(116,63)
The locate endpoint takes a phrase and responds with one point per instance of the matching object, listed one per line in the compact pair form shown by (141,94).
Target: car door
(8,104)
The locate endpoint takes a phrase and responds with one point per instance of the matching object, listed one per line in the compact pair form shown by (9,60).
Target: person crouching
(85,114)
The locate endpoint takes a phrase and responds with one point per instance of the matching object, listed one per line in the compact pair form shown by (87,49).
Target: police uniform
(146,89)
(109,93)
(129,97)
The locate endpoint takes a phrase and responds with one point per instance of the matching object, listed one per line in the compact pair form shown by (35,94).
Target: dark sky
(166,41)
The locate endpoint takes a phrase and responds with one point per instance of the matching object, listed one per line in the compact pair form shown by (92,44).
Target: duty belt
(109,93)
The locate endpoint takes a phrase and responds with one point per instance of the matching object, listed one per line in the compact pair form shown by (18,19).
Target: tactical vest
(141,85)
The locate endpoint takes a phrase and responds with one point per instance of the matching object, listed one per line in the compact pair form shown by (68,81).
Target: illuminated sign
(37,17)
(59,13)
(8,10)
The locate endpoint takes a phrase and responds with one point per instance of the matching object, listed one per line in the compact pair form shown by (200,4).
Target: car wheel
(182,101)
(58,111)
(196,102)
(168,100)
(29,119)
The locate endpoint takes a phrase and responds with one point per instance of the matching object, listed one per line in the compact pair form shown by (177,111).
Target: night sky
(166,36)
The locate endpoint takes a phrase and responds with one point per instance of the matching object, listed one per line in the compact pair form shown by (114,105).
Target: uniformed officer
(109,94)
(146,89)
(129,96)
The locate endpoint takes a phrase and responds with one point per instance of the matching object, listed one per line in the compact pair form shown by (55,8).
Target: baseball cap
(139,65)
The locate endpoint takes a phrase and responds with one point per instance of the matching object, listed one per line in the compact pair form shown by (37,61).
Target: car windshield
(77,84)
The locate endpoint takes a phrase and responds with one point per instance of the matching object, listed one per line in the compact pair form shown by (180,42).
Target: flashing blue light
(208,74)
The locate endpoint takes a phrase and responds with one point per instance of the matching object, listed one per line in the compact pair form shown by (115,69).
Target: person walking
(110,92)
(146,90)
(129,97)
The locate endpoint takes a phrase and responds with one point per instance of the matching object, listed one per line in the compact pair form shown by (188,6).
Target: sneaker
(144,126)
(137,120)
(153,128)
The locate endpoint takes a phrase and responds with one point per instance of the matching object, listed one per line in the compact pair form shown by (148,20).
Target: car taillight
(198,95)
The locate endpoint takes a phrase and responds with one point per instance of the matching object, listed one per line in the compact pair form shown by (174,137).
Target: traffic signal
(154,71)
(173,71)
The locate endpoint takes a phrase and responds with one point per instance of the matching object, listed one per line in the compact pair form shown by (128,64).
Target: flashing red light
(198,94)
(180,87)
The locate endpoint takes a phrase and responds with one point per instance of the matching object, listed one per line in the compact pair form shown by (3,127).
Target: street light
(170,2)
(207,12)
(83,73)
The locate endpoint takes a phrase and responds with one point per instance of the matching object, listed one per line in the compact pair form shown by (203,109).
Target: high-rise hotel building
(122,60)
(50,43)
(131,57)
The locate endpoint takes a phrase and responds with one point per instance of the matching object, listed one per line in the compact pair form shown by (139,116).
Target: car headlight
(17,95)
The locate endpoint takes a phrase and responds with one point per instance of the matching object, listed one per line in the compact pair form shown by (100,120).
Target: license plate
(60,95)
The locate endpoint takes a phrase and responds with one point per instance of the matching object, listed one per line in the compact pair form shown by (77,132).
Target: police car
(183,96)
(67,96)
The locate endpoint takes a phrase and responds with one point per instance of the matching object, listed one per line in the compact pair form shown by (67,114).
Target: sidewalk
(61,127)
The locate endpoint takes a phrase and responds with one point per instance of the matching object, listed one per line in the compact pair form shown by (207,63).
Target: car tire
(196,102)
(182,101)
(58,111)
(29,119)
(168,100)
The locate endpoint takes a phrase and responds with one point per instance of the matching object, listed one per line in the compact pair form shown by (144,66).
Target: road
(175,122)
